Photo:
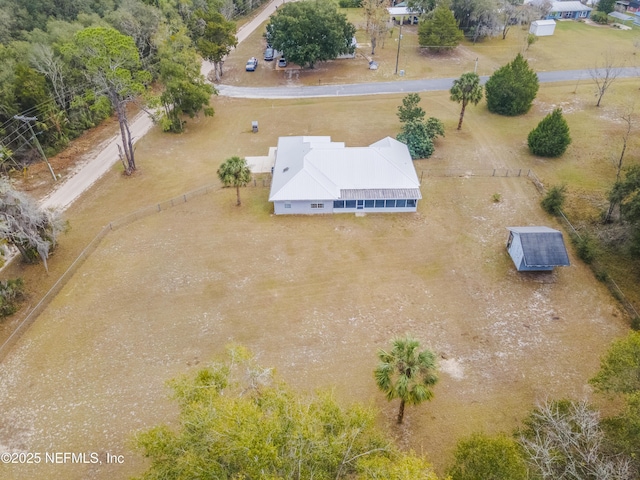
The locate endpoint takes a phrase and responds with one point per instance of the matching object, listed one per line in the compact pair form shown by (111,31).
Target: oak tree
(308,32)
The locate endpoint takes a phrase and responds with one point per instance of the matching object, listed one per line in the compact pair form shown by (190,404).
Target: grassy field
(316,296)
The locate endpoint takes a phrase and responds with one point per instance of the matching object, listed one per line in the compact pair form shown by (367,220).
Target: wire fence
(611,284)
(87,251)
(265,181)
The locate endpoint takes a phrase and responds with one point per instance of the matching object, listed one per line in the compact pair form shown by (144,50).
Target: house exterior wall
(514,247)
(315,207)
(568,15)
(302,207)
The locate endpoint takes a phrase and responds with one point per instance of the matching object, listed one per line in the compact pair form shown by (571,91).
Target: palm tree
(234,172)
(466,89)
(406,373)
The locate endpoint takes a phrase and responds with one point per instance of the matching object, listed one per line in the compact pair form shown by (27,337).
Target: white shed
(542,28)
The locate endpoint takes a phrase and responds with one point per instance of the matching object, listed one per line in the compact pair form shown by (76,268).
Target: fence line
(528,173)
(87,251)
(265,181)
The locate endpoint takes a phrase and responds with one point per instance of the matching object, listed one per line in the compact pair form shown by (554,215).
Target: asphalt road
(380,88)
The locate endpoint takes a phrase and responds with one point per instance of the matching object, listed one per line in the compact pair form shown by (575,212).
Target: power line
(28,121)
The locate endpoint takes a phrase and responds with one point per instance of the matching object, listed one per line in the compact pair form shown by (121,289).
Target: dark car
(282,62)
(268,54)
(252,64)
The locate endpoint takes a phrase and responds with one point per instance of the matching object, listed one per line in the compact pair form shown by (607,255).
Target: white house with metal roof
(313,175)
(536,248)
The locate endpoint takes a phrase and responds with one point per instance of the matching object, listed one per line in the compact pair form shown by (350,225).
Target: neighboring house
(628,7)
(568,10)
(536,248)
(314,175)
(403,14)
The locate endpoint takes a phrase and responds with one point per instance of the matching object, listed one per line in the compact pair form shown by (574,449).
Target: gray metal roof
(572,6)
(542,246)
(380,193)
(621,16)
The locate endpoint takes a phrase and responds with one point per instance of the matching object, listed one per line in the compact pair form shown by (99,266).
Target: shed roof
(543,22)
(315,168)
(542,246)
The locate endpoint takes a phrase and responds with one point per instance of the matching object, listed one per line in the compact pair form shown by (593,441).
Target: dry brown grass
(313,296)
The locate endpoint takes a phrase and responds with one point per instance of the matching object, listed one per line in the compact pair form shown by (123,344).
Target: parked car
(282,62)
(268,54)
(252,64)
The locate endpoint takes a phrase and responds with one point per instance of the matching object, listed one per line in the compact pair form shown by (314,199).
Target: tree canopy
(417,133)
(440,31)
(551,137)
(46,74)
(308,32)
(512,88)
(112,63)
(23,224)
(481,457)
(237,421)
(626,194)
(185,90)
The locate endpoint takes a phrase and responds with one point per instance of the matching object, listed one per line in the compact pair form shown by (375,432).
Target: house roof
(542,246)
(572,6)
(621,16)
(402,10)
(315,168)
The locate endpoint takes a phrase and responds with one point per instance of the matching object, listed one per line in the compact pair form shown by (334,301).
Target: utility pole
(28,121)
(399,39)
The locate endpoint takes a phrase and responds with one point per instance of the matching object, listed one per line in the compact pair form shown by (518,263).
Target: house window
(317,205)
(350,203)
(389,203)
(368,203)
(401,203)
(411,202)
(287,205)
(360,204)
(338,204)
(379,204)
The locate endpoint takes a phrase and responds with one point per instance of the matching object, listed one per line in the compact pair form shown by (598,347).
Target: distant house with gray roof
(536,248)
(314,175)
(568,10)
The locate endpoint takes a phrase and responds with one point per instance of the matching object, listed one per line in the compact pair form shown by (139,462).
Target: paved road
(380,88)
